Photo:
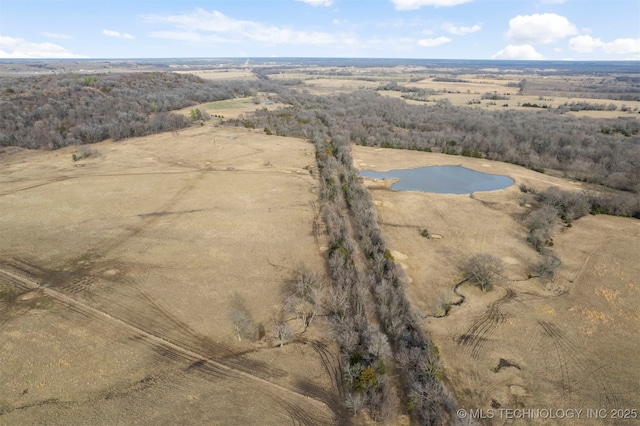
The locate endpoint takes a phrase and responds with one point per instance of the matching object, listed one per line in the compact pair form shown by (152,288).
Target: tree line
(389,337)
(602,151)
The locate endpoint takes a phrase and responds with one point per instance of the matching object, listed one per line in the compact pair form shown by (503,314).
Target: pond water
(442,180)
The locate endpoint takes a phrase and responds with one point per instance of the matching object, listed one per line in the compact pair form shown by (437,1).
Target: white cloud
(189,36)
(585,44)
(317,2)
(539,28)
(56,36)
(417,4)
(117,34)
(11,47)
(552,1)
(620,46)
(461,30)
(523,52)
(234,30)
(433,42)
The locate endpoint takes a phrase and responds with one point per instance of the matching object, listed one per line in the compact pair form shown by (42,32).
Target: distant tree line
(49,112)
(586,106)
(603,151)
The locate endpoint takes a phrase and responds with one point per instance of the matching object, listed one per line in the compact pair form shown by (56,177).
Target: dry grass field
(325,86)
(223,74)
(117,272)
(469,93)
(467,89)
(571,343)
(231,108)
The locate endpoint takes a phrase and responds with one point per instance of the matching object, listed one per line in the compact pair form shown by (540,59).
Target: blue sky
(438,29)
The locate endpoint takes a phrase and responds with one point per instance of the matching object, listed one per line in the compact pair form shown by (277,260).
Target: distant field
(222,74)
(238,103)
(468,89)
(232,108)
(515,101)
(324,86)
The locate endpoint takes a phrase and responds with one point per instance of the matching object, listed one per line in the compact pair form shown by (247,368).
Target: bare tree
(548,266)
(281,331)
(484,270)
(303,296)
(541,223)
(241,319)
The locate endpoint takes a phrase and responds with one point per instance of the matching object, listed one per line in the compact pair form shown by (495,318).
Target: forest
(53,111)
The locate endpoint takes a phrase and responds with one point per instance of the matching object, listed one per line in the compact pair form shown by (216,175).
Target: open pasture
(117,273)
(569,343)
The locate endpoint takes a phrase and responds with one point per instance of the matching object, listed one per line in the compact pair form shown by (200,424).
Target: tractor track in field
(569,355)
(199,355)
(36,185)
(333,369)
(481,330)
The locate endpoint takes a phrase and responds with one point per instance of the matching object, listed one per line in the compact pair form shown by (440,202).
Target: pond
(442,180)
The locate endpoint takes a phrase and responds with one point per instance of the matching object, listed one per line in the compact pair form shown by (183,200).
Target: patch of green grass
(41,303)
(7,295)
(230,104)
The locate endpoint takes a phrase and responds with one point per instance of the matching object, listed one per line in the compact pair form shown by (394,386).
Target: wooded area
(49,112)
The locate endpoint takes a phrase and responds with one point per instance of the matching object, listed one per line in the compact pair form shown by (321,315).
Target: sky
(431,29)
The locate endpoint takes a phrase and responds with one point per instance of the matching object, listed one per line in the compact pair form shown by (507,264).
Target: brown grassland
(570,343)
(118,271)
(117,274)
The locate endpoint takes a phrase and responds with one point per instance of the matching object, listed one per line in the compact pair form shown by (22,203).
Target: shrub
(484,270)
(541,223)
(195,114)
(84,152)
(547,267)
(241,319)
